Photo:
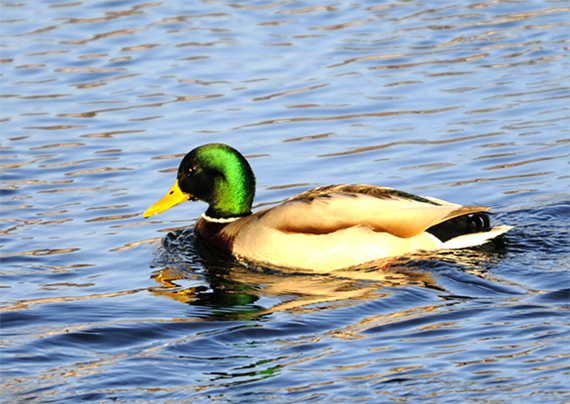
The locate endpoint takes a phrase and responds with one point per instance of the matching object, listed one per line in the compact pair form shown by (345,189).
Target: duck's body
(322,229)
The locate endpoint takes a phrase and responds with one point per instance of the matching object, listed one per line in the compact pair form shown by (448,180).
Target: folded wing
(385,210)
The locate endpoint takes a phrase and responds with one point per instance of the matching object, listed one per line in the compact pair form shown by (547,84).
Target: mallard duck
(322,229)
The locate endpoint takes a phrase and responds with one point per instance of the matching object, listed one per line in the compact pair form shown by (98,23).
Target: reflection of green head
(220,176)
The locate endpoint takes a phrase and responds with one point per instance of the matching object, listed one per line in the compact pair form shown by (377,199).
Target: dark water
(464,101)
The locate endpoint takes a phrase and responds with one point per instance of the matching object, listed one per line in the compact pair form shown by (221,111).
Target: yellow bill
(172,198)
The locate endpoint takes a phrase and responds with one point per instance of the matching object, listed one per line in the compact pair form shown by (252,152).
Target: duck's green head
(216,174)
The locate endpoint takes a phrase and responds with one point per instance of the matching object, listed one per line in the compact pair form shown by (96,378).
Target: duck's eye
(192,170)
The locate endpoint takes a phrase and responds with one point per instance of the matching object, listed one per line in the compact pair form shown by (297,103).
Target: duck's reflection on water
(191,274)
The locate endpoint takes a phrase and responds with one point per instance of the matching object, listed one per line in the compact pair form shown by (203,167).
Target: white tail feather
(474,239)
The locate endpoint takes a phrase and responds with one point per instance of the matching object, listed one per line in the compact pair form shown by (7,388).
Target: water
(464,101)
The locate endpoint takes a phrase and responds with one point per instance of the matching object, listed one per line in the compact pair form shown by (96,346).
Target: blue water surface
(463,101)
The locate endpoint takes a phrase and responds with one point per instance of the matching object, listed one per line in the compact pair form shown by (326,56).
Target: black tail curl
(477,222)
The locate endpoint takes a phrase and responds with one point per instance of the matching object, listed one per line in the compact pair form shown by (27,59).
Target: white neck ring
(220,220)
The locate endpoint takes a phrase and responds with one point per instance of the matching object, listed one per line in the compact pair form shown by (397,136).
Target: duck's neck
(233,189)
(230,201)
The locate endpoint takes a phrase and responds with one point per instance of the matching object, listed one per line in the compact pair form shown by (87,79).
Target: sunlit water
(465,101)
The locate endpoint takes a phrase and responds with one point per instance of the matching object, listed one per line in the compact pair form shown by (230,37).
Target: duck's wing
(361,189)
(328,209)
